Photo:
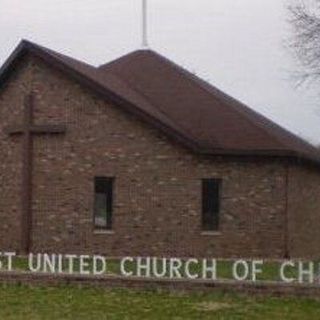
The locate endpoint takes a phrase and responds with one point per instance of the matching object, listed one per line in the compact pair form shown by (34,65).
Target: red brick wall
(11,101)
(304,211)
(157,207)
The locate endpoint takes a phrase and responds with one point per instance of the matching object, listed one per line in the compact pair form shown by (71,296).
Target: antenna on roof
(144,25)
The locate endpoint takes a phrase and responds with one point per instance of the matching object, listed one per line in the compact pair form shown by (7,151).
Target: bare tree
(305,40)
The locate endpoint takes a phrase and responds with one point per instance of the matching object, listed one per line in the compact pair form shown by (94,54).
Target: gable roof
(177,102)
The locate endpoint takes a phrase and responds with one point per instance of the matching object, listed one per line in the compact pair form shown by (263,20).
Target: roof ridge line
(92,79)
(51,53)
(185,130)
(115,60)
(138,92)
(90,82)
(227,98)
(56,53)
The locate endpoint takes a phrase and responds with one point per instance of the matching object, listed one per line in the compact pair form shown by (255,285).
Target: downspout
(286,214)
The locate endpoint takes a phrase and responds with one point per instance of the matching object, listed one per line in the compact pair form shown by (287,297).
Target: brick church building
(140,157)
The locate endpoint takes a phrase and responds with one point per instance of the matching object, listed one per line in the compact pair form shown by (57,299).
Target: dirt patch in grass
(213,306)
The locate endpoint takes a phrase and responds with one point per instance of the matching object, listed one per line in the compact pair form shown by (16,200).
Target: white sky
(237,45)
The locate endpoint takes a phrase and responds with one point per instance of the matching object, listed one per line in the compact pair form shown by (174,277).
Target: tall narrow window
(103,194)
(210,204)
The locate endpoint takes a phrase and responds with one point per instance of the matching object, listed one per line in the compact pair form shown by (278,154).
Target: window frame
(109,207)
(215,224)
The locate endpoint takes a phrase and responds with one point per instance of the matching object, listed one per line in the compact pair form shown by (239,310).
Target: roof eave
(283,154)
(25,47)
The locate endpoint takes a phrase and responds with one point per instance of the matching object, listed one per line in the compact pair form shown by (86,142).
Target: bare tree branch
(305,41)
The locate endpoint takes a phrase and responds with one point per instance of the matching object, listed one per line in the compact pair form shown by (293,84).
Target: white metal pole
(144,24)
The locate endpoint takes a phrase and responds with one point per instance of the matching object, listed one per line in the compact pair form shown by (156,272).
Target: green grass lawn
(21,302)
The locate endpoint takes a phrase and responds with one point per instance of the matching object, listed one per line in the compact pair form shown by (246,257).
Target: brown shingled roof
(178,103)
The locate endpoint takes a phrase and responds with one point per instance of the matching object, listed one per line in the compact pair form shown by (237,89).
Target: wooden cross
(28,129)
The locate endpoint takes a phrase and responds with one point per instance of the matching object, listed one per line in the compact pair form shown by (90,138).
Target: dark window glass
(210,204)
(103,193)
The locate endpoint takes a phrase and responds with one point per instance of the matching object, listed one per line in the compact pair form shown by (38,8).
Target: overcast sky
(237,45)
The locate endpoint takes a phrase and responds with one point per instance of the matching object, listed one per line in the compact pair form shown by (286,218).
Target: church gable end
(157,184)
(107,180)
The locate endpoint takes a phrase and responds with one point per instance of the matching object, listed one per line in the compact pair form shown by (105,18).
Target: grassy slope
(19,302)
